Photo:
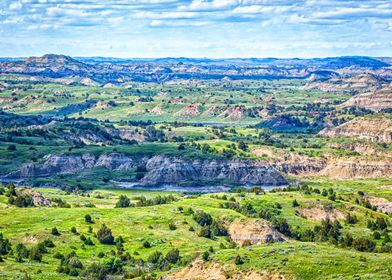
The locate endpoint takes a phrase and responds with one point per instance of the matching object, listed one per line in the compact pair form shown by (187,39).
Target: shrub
(154,257)
(49,243)
(21,252)
(58,256)
(104,235)
(89,242)
(22,200)
(205,256)
(123,202)
(70,265)
(5,245)
(88,219)
(351,219)
(146,244)
(172,226)
(173,256)
(96,271)
(202,218)
(295,203)
(73,230)
(376,235)
(11,148)
(364,245)
(114,265)
(55,231)
(238,260)
(205,232)
(35,254)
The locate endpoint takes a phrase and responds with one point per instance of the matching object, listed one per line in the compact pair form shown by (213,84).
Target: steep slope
(371,101)
(373,128)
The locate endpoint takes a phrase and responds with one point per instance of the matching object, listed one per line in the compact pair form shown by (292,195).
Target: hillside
(376,129)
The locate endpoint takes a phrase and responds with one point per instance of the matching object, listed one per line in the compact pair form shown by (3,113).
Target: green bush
(104,235)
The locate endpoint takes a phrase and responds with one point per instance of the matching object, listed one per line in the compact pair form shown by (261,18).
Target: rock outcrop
(357,168)
(215,271)
(318,213)
(164,170)
(252,231)
(38,198)
(382,204)
(161,169)
(176,170)
(371,101)
(373,128)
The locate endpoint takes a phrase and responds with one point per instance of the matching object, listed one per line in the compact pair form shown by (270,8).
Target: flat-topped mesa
(50,58)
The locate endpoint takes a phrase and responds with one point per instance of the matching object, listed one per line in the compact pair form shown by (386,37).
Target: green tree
(173,256)
(88,219)
(123,202)
(104,235)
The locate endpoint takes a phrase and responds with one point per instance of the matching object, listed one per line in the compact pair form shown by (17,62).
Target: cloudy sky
(196,28)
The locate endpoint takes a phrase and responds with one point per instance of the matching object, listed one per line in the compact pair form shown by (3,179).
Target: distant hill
(105,70)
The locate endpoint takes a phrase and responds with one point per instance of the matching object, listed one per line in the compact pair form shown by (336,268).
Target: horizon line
(196,57)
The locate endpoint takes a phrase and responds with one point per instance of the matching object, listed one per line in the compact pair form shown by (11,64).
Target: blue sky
(196,28)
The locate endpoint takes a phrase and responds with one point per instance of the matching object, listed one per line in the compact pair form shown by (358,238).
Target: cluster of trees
(17,199)
(142,201)
(154,135)
(209,227)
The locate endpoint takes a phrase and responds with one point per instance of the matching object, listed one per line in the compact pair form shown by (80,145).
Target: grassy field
(296,259)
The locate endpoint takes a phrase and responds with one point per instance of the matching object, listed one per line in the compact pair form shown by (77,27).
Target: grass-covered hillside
(330,231)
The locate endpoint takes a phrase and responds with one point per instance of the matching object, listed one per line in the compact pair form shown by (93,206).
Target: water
(176,188)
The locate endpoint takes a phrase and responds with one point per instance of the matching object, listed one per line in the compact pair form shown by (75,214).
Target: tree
(88,219)
(364,245)
(154,257)
(35,254)
(11,148)
(295,203)
(21,252)
(205,256)
(5,245)
(242,145)
(172,226)
(205,232)
(381,223)
(173,256)
(202,218)
(104,235)
(96,271)
(89,242)
(146,244)
(55,231)
(123,202)
(73,230)
(22,200)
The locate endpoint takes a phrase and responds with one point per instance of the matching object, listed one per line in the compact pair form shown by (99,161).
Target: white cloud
(16,5)
(203,5)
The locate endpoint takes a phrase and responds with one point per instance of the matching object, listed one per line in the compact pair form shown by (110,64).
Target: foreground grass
(301,260)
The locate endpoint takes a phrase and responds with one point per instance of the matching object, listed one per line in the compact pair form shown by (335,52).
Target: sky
(196,28)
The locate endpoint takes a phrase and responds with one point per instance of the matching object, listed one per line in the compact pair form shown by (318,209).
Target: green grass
(302,260)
